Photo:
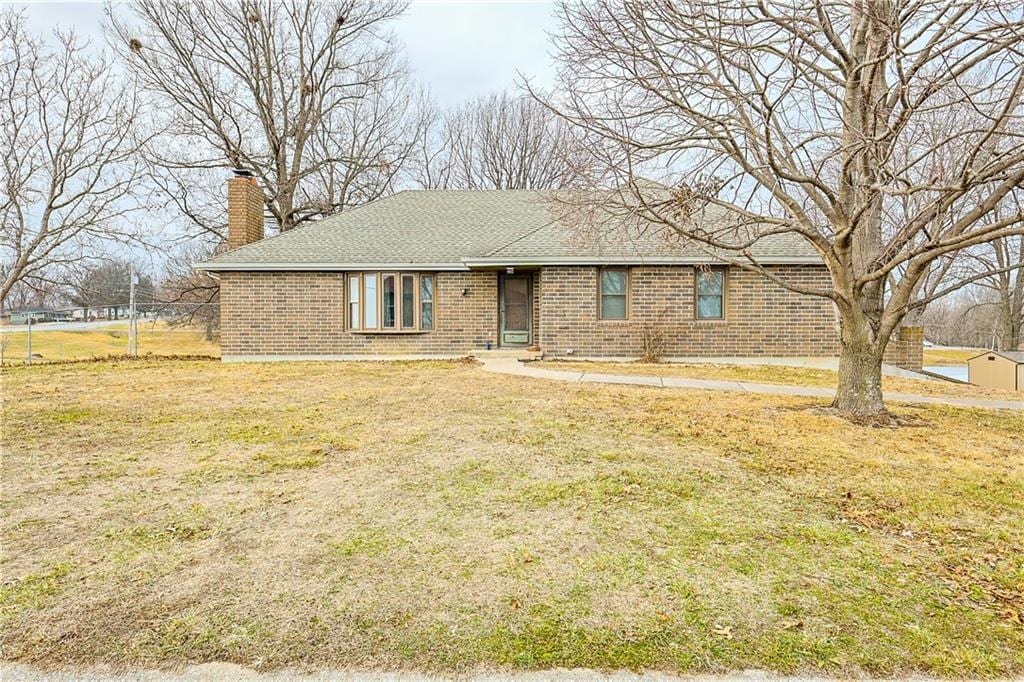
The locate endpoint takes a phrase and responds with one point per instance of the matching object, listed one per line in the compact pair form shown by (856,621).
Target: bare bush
(654,342)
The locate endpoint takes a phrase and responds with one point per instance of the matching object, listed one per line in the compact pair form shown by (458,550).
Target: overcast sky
(459,49)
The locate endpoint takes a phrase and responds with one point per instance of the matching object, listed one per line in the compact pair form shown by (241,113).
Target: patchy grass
(772,374)
(950,356)
(155,338)
(428,516)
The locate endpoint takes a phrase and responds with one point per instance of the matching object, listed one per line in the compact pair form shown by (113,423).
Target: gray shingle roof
(1014,355)
(455,229)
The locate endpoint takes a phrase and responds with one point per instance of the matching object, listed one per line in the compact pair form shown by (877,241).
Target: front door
(514,310)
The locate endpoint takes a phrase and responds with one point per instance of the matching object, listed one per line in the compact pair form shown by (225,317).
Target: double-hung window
(408,301)
(426,302)
(370,301)
(710,294)
(353,302)
(613,293)
(390,302)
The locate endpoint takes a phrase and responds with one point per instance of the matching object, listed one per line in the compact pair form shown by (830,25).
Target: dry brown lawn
(772,374)
(938,355)
(432,517)
(59,345)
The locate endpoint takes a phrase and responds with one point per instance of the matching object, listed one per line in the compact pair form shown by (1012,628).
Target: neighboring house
(38,316)
(451,272)
(997,369)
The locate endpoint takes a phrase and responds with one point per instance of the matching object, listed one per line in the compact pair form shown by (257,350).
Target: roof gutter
(634,260)
(471,263)
(213,266)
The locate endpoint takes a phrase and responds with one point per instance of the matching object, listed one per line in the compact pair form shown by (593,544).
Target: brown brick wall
(303,313)
(761,318)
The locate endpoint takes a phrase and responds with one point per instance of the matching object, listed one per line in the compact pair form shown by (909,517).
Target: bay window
(390,302)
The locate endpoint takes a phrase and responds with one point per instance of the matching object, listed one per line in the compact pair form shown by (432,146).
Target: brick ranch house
(446,273)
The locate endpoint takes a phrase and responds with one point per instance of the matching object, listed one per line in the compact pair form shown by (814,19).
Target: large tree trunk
(859,393)
(1009,326)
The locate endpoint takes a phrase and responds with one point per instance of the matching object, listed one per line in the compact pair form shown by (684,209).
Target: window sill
(389,332)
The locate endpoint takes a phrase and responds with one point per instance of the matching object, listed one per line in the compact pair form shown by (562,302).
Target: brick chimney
(245,210)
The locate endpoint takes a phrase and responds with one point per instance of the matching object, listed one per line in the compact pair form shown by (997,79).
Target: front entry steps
(510,353)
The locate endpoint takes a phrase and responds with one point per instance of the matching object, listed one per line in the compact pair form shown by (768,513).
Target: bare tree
(501,142)
(310,96)
(809,119)
(188,296)
(968,317)
(70,163)
(993,274)
(107,284)
(1001,264)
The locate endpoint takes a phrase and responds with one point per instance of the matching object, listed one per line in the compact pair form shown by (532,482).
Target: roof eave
(213,266)
(1001,354)
(470,263)
(631,260)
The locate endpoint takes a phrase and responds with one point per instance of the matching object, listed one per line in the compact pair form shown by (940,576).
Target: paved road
(513,366)
(64,326)
(958,372)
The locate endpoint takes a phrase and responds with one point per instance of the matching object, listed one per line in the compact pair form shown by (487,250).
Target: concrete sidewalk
(517,368)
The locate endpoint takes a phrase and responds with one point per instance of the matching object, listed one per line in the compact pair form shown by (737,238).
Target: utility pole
(29,358)
(133,329)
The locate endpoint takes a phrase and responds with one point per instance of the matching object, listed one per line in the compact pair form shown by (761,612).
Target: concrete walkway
(515,367)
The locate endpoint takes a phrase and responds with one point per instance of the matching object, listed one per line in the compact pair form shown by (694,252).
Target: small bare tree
(311,97)
(190,297)
(71,162)
(815,120)
(500,142)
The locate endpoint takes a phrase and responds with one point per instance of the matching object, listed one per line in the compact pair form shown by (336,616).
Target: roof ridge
(520,237)
(553,222)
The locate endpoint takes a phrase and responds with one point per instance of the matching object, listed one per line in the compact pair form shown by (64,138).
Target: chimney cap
(242,172)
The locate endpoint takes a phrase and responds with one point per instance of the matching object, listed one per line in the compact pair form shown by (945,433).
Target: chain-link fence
(55,338)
